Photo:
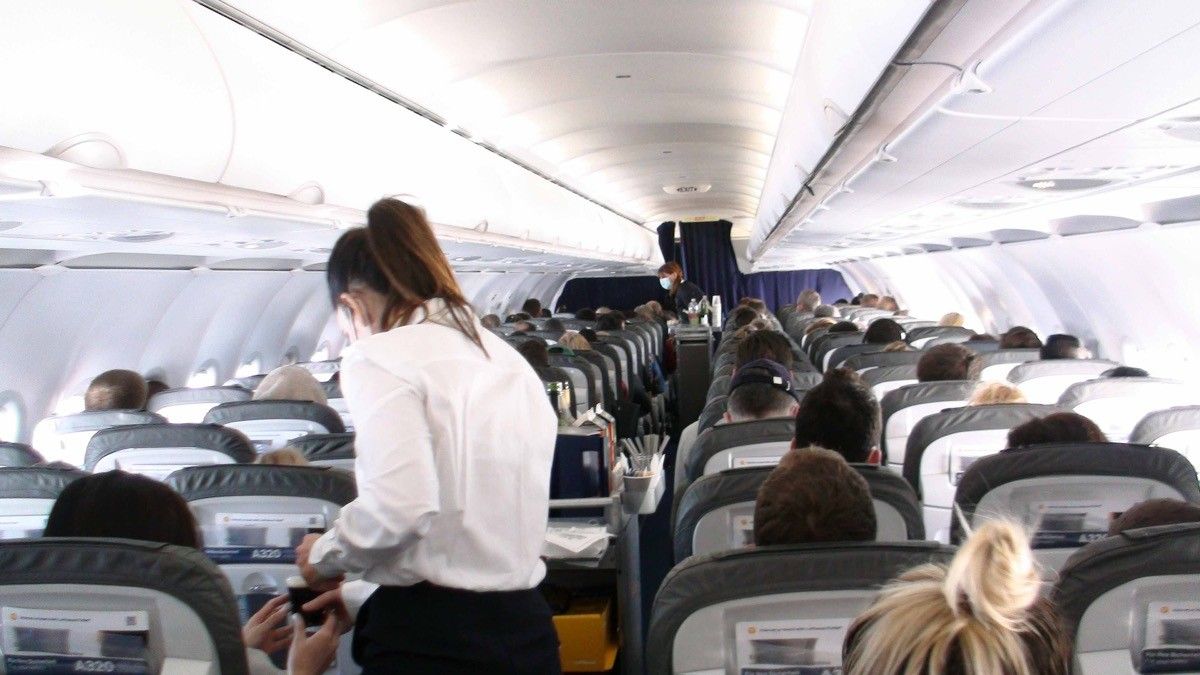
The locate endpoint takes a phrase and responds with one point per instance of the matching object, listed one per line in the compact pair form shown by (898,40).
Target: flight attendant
(455,439)
(683,292)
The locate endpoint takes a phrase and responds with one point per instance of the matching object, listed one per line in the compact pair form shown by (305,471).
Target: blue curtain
(709,262)
(623,293)
(666,242)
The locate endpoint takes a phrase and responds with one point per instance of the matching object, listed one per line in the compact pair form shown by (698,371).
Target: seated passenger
(155,386)
(844,327)
(585,314)
(756,304)
(532,307)
(287,456)
(290,383)
(490,321)
(946,362)
(116,390)
(545,313)
(1020,337)
(842,415)
(610,321)
(817,325)
(953,319)
(575,341)
(1064,427)
(981,615)
(869,300)
(554,326)
(121,505)
(761,389)
(589,334)
(882,332)
(1154,512)
(995,393)
(982,337)
(1061,346)
(825,311)
(897,346)
(813,496)
(764,344)
(536,352)
(1125,371)
(808,300)
(742,317)
(523,327)
(889,303)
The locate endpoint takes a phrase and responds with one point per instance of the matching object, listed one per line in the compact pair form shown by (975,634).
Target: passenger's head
(813,496)
(825,311)
(381,274)
(545,313)
(844,327)
(532,307)
(1064,427)
(575,341)
(1125,371)
(760,390)
(644,313)
(952,319)
(982,337)
(290,383)
(808,300)
(154,386)
(1061,346)
(125,506)
(945,362)
(1020,337)
(897,346)
(994,393)
(889,303)
(981,615)
(116,390)
(755,304)
(288,456)
(869,300)
(554,326)
(764,344)
(585,314)
(742,316)
(656,308)
(523,326)
(535,352)
(589,334)
(817,325)
(1154,512)
(611,321)
(883,331)
(670,275)
(840,414)
(490,321)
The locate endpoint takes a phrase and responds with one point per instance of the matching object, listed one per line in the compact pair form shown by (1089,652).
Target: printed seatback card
(75,641)
(790,647)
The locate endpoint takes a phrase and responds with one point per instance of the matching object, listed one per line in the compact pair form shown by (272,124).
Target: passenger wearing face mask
(455,439)
(683,292)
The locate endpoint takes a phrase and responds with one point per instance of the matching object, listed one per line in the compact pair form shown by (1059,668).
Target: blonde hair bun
(993,577)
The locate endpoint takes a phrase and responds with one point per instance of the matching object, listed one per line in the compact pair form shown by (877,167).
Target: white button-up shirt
(454,449)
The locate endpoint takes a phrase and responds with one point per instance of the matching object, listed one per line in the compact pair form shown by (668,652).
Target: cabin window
(322,353)
(252,366)
(291,357)
(206,376)
(69,405)
(12,416)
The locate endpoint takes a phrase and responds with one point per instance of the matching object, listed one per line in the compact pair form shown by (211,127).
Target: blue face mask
(665,282)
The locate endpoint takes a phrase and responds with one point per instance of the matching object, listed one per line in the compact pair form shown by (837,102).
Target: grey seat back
(1129,601)
(18,454)
(607,369)
(157,450)
(27,494)
(886,379)
(823,349)
(191,405)
(838,357)
(270,425)
(862,363)
(1176,428)
(64,438)
(996,365)
(593,391)
(717,511)
(1117,404)
(171,599)
(740,444)
(738,610)
(336,400)
(619,353)
(901,410)
(944,444)
(1045,381)
(1067,494)
(322,370)
(920,336)
(333,450)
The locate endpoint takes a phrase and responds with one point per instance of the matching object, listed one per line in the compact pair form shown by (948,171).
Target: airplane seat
(824,348)
(996,365)
(18,454)
(27,494)
(623,353)
(886,379)
(942,446)
(156,450)
(713,412)
(901,409)
(1117,404)
(187,405)
(1176,428)
(863,363)
(593,390)
(332,450)
(739,444)
(920,336)
(838,357)
(737,611)
(166,604)
(909,323)
(568,378)
(271,425)
(1068,493)
(64,438)
(718,395)
(249,382)
(607,369)
(1128,601)
(807,340)
(717,511)
(322,370)
(334,399)
(1045,381)
(980,346)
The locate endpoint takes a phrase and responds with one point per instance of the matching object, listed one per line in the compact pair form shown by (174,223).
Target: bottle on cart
(716,312)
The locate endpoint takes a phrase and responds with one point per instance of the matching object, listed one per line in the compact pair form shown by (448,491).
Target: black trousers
(432,629)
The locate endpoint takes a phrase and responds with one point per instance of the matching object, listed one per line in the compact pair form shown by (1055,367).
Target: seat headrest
(241,411)
(263,480)
(926,392)
(186,395)
(878,359)
(1162,422)
(318,447)
(204,436)
(1009,356)
(91,420)
(1032,369)
(1112,387)
(18,454)
(725,436)
(35,482)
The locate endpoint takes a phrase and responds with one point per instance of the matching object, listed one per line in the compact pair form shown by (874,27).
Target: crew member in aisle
(682,292)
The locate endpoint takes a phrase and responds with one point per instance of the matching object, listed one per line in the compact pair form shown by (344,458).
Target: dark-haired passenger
(761,389)
(1155,512)
(490,321)
(813,496)
(1020,337)
(882,332)
(585,314)
(1063,427)
(946,362)
(1062,346)
(116,390)
(532,307)
(842,415)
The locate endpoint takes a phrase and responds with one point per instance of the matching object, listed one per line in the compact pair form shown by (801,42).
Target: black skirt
(432,629)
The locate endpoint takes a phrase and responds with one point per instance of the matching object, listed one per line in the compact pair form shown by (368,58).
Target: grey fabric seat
(335,450)
(272,424)
(880,359)
(995,365)
(944,444)
(1045,381)
(1113,593)
(191,613)
(191,405)
(156,450)
(1176,428)
(838,357)
(802,381)
(27,494)
(920,336)
(322,370)
(18,454)
(731,446)
(825,347)
(1068,493)
(717,511)
(1117,404)
(707,604)
(902,408)
(64,438)
(580,375)
(886,379)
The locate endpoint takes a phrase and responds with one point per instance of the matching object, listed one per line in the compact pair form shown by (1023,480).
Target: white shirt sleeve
(395,472)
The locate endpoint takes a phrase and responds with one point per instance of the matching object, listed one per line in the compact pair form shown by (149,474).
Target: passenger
(585,314)
(821,323)
(882,332)
(655,308)
(288,456)
(982,337)
(155,386)
(761,389)
(682,292)
(553,325)
(523,327)
(764,344)
(842,415)
(808,300)
(521,316)
(290,383)
(610,321)
(122,505)
(532,307)
(590,335)
(536,352)
(545,313)
(981,615)
(1154,512)
(869,300)
(644,313)
(490,321)
(1125,371)
(889,303)
(575,342)
(116,390)
(454,443)
(946,362)
(897,346)
(844,327)
(742,316)
(995,393)
(757,305)
(953,319)
(1064,427)
(825,311)
(813,496)
(1020,337)
(1061,346)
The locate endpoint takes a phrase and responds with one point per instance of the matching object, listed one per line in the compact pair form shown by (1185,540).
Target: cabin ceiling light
(140,236)
(259,244)
(1063,184)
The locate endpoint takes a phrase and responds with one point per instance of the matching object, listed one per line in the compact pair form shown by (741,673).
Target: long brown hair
(398,255)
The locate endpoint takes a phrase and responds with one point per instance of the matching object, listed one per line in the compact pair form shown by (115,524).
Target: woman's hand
(331,602)
(310,574)
(312,654)
(267,630)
